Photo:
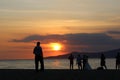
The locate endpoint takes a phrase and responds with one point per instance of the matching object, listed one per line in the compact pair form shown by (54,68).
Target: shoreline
(59,74)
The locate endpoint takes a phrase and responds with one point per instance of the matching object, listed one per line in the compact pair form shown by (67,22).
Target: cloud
(77,42)
(29,38)
(114,32)
(73,39)
(45,39)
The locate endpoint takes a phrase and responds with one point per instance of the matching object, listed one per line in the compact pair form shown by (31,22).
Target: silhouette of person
(71,58)
(118,61)
(103,62)
(79,62)
(85,60)
(38,57)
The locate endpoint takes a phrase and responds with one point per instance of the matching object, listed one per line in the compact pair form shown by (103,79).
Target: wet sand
(58,74)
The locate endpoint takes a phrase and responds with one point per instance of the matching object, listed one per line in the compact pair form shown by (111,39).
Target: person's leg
(70,65)
(78,66)
(105,66)
(36,63)
(116,66)
(42,63)
(81,66)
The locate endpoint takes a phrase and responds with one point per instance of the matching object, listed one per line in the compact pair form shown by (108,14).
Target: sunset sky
(76,25)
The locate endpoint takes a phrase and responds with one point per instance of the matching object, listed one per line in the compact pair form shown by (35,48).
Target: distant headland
(108,54)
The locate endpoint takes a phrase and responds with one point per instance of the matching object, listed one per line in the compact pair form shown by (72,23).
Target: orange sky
(21,19)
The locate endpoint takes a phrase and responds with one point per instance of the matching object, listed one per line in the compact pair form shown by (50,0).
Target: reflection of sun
(56,46)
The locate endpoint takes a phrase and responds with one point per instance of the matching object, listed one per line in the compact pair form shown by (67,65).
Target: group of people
(82,62)
(84,65)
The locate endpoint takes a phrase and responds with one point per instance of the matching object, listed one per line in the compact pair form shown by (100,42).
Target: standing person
(71,58)
(103,62)
(84,61)
(38,57)
(118,61)
(78,61)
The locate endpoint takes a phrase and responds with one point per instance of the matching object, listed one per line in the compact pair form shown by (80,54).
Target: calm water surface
(51,64)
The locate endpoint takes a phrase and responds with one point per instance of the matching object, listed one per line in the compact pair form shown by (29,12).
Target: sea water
(52,64)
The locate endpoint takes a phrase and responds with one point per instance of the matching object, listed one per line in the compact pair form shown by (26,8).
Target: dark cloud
(77,42)
(87,39)
(44,39)
(114,32)
(29,38)
(73,39)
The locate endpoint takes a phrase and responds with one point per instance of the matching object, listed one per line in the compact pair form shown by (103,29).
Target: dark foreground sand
(53,74)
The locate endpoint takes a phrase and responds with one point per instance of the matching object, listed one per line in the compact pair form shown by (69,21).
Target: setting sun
(56,46)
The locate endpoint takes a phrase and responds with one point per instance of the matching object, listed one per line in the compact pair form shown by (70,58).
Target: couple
(84,60)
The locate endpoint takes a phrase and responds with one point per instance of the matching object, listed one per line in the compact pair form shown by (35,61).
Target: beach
(58,74)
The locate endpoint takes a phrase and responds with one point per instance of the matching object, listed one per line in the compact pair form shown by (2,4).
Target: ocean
(51,64)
